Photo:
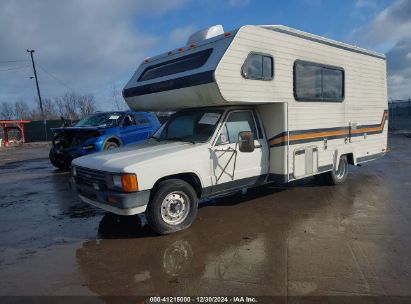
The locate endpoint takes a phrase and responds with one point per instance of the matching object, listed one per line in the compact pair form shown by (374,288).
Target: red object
(8,125)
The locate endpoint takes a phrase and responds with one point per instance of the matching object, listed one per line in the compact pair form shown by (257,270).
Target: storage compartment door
(305,161)
(299,162)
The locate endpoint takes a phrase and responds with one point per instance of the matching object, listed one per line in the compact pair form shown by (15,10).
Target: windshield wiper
(180,139)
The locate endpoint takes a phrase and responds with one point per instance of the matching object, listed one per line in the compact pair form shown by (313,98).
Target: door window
(236,123)
(128,120)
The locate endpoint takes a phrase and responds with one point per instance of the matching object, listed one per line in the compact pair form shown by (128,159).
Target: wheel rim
(175,208)
(111,147)
(341,170)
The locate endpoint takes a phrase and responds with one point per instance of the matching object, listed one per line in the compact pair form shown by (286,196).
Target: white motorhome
(260,104)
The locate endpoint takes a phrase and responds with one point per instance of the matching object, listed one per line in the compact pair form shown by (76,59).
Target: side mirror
(246,141)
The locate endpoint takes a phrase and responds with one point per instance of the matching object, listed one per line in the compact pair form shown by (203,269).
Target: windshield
(100,120)
(192,126)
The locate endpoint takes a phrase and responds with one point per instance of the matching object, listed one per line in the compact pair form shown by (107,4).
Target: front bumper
(72,153)
(115,202)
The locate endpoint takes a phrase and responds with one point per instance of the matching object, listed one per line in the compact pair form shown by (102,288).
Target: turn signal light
(129,183)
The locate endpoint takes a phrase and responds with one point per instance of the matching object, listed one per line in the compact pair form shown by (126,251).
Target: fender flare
(197,179)
(339,152)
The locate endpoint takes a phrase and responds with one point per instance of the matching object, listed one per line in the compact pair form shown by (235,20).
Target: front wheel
(110,145)
(338,175)
(60,163)
(172,207)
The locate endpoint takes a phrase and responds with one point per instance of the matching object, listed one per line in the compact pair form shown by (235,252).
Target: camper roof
(209,72)
(312,37)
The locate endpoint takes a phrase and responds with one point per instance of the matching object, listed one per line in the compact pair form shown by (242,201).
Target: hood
(124,158)
(75,129)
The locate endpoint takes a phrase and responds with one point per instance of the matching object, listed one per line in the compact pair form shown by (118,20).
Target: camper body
(262,104)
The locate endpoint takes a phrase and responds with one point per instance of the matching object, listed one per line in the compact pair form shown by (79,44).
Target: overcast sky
(90,45)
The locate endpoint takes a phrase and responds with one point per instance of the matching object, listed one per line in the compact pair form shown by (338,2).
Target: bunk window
(317,82)
(258,66)
(178,65)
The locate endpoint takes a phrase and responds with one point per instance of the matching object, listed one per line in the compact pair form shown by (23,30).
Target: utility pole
(38,92)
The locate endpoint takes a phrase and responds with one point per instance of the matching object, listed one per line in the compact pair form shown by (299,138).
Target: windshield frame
(222,112)
(108,114)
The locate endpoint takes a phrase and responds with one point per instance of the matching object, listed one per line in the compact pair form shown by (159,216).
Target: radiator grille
(88,176)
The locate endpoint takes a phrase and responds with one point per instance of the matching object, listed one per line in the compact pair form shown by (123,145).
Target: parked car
(99,132)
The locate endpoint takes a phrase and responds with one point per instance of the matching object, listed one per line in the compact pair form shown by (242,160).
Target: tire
(110,145)
(61,164)
(172,207)
(338,176)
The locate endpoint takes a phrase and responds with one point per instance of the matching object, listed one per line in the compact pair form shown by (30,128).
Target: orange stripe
(317,134)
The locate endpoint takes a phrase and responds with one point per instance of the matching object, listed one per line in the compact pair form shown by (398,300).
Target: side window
(316,82)
(258,66)
(128,120)
(141,120)
(308,81)
(236,123)
(333,84)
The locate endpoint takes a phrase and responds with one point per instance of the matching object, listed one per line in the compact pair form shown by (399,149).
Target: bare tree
(60,109)
(67,105)
(74,106)
(6,110)
(86,105)
(49,109)
(70,106)
(118,101)
(21,110)
(35,114)
(70,100)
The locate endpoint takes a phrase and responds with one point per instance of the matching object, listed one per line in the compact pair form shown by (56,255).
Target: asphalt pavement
(303,239)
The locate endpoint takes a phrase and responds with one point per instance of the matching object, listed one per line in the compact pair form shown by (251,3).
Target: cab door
(128,129)
(144,128)
(232,168)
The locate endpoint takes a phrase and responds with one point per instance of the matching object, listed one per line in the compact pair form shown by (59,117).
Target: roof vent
(206,33)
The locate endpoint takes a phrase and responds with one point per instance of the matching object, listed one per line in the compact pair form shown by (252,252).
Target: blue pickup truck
(100,132)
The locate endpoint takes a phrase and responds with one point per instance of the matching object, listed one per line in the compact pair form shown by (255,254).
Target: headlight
(73,171)
(117,181)
(125,182)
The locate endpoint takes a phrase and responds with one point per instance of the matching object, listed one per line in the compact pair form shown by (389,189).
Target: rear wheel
(338,175)
(172,207)
(110,145)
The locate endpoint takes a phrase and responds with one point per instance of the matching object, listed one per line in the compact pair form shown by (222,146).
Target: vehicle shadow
(240,196)
(261,191)
(114,226)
